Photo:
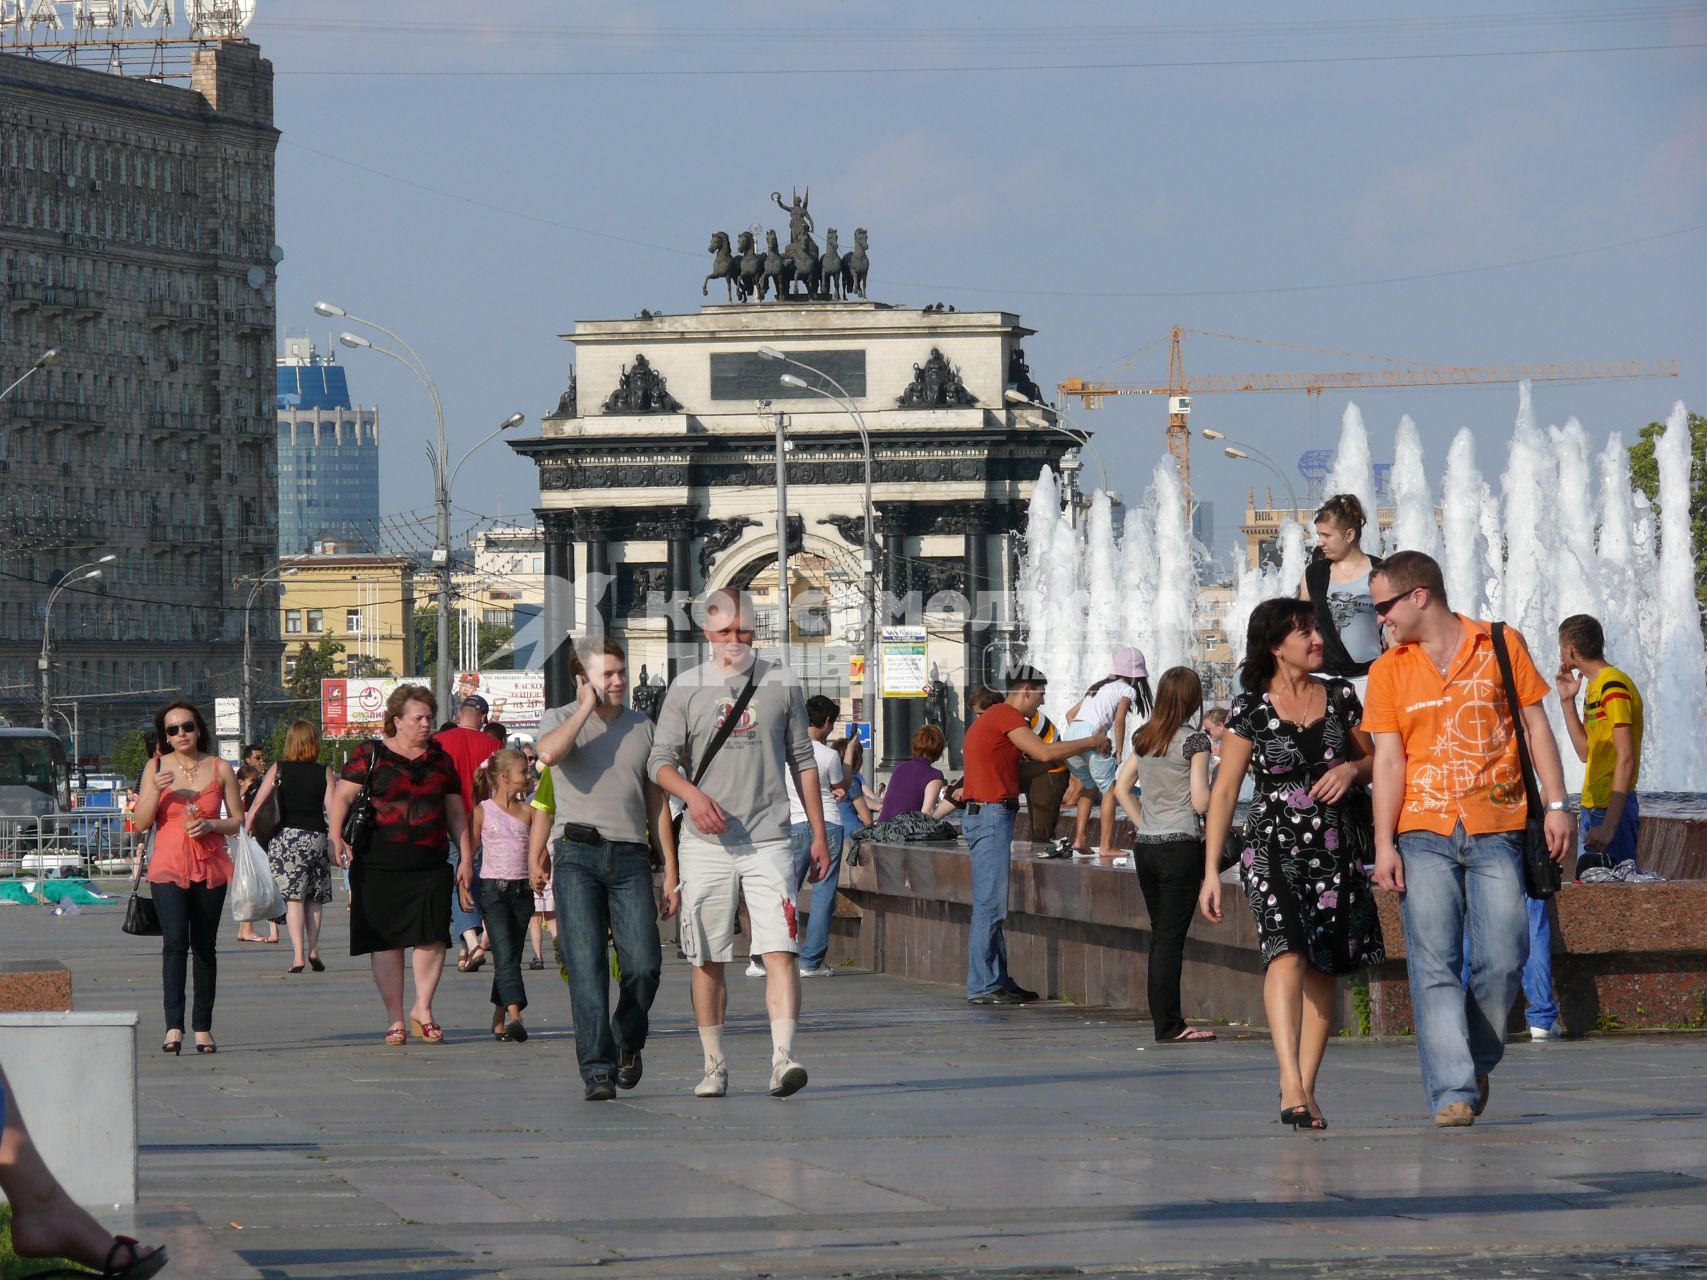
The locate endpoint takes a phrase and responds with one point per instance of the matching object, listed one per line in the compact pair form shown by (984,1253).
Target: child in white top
(1104,709)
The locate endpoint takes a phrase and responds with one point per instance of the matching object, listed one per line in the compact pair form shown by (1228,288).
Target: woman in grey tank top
(1170,763)
(1337,584)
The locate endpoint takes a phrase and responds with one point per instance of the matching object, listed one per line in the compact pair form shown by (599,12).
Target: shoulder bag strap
(729,722)
(1530,793)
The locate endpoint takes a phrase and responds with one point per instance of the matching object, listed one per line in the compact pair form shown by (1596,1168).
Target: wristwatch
(1558,806)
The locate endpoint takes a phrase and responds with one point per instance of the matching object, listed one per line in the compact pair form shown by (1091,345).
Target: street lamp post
(46,358)
(868,552)
(82,573)
(1239,450)
(272,575)
(441,480)
(1078,435)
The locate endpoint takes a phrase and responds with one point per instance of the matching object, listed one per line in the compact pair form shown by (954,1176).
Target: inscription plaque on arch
(746,375)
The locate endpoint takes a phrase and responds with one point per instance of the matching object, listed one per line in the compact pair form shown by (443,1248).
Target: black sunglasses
(1384,607)
(173,730)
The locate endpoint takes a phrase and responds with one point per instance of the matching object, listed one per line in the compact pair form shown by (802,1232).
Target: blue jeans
(817,944)
(1462,889)
(600,887)
(1540,1007)
(990,836)
(1623,845)
(463,921)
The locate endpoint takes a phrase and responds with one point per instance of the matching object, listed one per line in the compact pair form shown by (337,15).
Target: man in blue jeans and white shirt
(1450,811)
(608,813)
(821,716)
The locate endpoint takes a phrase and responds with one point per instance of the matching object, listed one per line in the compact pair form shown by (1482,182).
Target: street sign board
(906,673)
(227,717)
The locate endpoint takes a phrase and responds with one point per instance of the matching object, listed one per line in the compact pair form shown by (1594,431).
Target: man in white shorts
(734,842)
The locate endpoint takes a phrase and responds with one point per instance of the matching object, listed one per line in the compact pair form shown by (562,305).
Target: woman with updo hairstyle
(400,883)
(1306,839)
(1336,584)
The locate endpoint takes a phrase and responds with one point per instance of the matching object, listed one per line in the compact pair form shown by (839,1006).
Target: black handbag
(265,823)
(1541,875)
(359,821)
(718,739)
(140,917)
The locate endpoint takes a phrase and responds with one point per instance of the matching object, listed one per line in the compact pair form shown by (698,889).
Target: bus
(35,799)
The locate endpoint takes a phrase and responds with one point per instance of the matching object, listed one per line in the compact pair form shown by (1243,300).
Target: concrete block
(74,1077)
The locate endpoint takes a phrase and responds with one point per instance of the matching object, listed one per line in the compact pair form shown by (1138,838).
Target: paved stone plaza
(934,1139)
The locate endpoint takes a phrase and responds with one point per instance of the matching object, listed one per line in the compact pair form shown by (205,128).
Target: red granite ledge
(34,986)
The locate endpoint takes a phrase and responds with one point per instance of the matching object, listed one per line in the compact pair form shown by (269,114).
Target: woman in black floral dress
(1306,839)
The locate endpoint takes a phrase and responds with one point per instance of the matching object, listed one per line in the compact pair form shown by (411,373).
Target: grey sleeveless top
(1165,789)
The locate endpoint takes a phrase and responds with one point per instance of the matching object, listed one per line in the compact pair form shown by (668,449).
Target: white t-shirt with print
(1098,709)
(829,774)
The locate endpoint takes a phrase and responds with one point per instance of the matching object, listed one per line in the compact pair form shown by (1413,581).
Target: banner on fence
(355,708)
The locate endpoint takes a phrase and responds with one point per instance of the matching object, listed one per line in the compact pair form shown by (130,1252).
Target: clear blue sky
(1259,153)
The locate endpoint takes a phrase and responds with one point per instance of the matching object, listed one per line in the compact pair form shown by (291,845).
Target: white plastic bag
(254,894)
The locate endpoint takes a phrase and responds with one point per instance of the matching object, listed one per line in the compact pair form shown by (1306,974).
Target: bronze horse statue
(724,266)
(778,270)
(750,277)
(804,258)
(858,264)
(833,269)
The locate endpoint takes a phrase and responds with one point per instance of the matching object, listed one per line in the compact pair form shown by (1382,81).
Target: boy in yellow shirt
(1607,736)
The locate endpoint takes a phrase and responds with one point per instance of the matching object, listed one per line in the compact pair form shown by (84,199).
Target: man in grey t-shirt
(734,837)
(608,813)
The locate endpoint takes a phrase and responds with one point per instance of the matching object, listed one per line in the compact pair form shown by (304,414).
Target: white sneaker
(817,971)
(715,1084)
(1546,1033)
(787,1077)
(754,968)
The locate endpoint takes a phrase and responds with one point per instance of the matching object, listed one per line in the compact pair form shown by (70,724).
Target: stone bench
(34,986)
(74,1075)
(1627,957)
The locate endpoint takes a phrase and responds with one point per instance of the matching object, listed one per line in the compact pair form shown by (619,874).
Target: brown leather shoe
(1486,1085)
(1454,1115)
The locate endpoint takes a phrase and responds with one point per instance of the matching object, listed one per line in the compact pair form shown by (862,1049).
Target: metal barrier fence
(61,845)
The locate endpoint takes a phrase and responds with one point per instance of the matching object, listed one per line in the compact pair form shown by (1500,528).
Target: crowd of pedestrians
(1348,735)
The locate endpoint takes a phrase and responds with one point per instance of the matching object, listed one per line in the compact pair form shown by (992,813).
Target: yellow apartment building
(364,602)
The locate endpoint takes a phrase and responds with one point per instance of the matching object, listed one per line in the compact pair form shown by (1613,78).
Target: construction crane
(1179,388)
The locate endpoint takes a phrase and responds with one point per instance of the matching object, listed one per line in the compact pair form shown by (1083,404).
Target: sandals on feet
(139,1267)
(397,1035)
(1190,1035)
(431,1032)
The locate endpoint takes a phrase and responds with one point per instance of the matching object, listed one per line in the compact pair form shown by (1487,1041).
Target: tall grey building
(137,222)
(328,456)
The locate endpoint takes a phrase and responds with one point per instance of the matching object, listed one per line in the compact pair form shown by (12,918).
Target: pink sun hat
(1129,662)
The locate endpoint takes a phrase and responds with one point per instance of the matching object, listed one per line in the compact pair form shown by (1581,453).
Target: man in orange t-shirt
(1450,812)
(994,745)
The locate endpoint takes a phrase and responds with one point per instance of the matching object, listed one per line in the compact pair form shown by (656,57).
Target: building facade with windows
(364,603)
(136,239)
(328,455)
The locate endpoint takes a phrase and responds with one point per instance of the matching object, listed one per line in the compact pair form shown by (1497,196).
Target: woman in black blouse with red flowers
(400,884)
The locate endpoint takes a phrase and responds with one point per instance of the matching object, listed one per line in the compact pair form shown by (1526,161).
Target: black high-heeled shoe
(173,1047)
(209,1047)
(1299,1117)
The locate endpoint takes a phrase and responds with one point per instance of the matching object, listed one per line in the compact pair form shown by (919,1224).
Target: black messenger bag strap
(729,723)
(1531,793)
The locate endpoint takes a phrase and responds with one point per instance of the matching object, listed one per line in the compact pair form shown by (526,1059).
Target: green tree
(1645,475)
(314,663)
(493,637)
(131,753)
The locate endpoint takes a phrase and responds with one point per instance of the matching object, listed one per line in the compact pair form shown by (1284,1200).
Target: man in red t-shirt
(994,745)
(468,745)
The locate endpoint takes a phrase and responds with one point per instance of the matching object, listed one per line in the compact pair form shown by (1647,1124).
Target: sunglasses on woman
(187,726)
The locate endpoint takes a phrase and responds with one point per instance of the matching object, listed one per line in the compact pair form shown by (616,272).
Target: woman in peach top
(190,796)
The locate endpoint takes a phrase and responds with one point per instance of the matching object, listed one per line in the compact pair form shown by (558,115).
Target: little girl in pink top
(502,819)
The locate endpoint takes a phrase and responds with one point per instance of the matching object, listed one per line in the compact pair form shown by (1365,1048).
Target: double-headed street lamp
(1077,434)
(50,356)
(82,573)
(868,580)
(1240,451)
(443,668)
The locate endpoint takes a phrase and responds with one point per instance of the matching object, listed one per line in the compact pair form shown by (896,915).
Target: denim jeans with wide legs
(817,944)
(1540,1006)
(1462,888)
(599,887)
(507,906)
(189,923)
(990,836)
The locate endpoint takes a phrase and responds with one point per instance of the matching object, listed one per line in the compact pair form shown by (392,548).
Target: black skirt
(400,896)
